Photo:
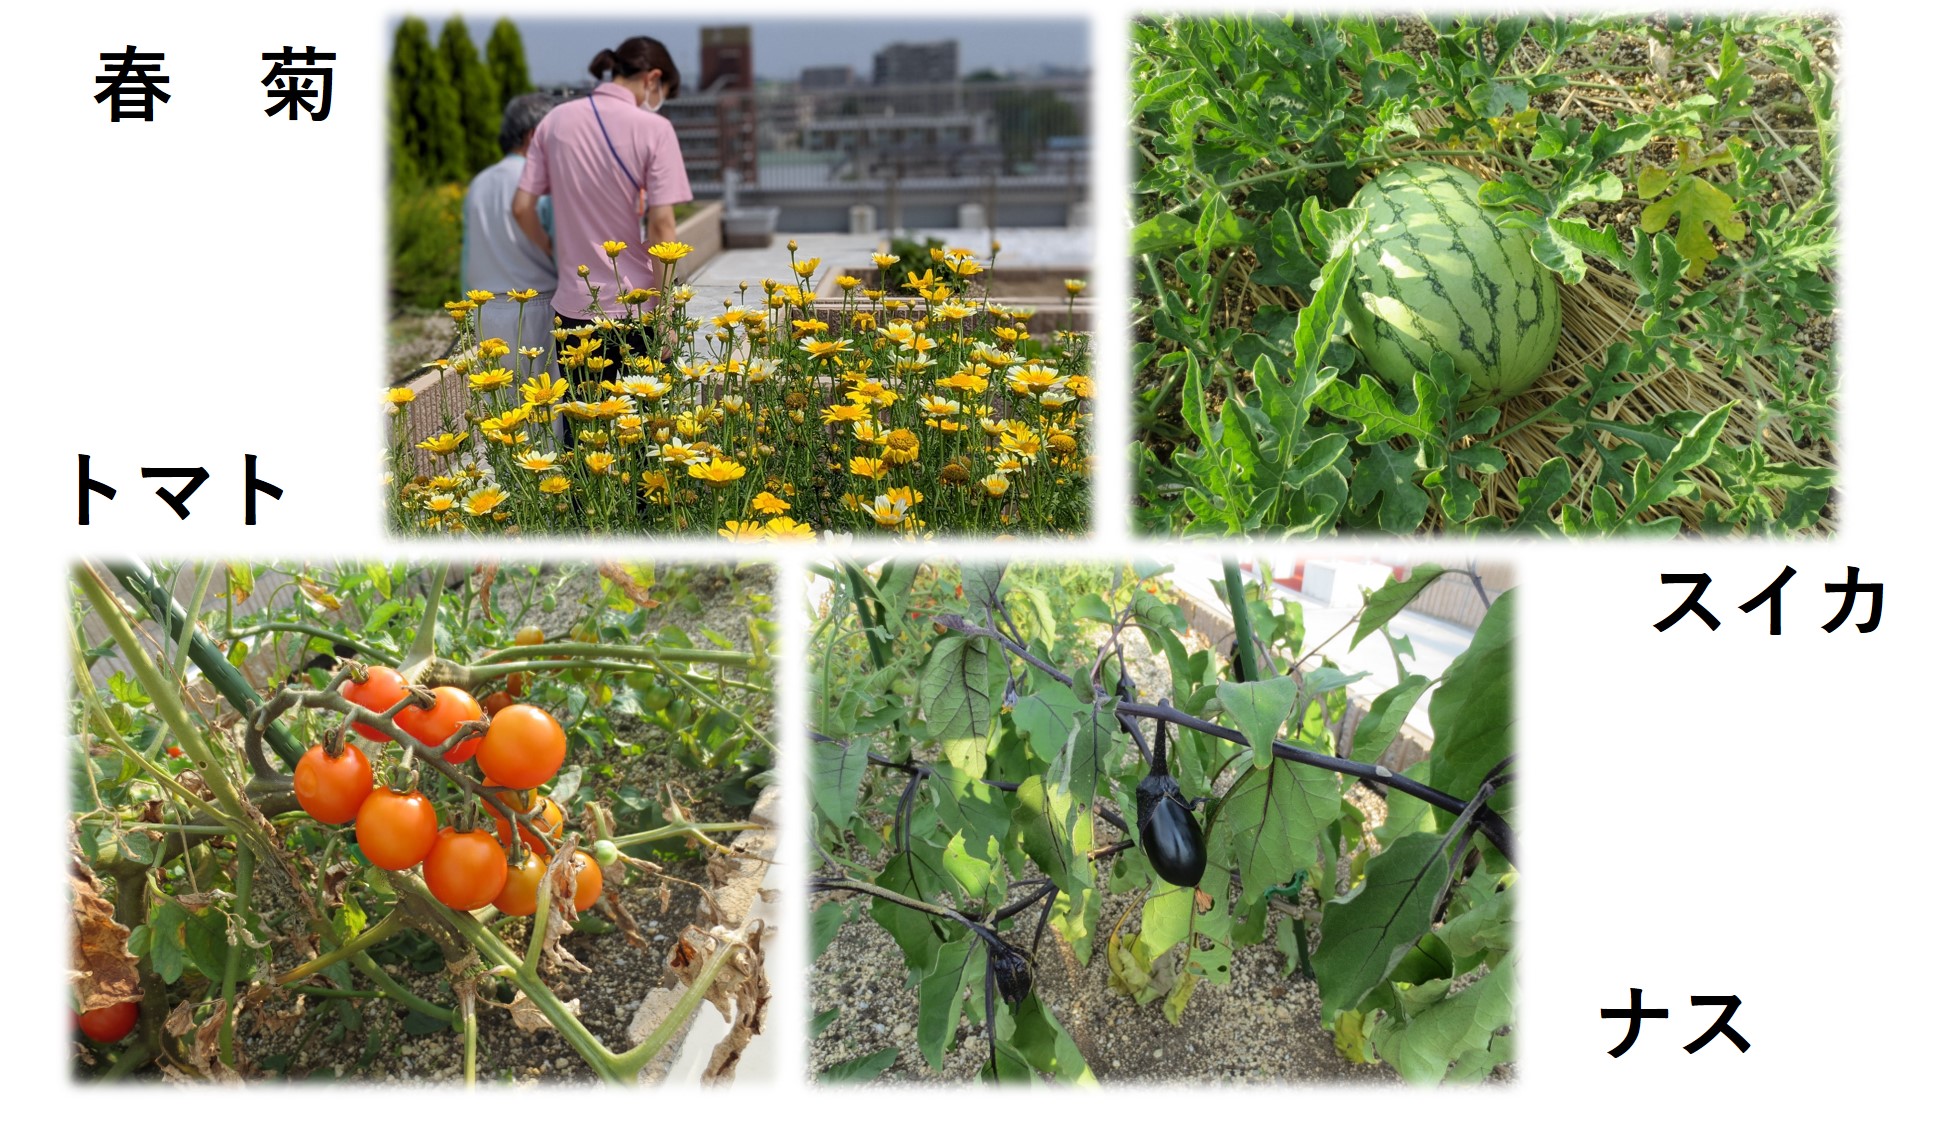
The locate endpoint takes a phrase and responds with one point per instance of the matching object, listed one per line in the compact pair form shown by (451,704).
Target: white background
(1719,814)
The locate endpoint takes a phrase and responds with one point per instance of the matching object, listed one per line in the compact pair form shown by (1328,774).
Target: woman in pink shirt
(608,162)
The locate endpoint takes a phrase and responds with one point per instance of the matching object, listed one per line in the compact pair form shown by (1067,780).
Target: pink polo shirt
(593,199)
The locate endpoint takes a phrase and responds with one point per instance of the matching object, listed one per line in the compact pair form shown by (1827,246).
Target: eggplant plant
(983,777)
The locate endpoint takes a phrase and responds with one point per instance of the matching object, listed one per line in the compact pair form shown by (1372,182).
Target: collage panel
(757,280)
(1185,821)
(1555,275)
(413,823)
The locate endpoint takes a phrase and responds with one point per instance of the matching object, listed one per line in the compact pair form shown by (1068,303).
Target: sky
(559,50)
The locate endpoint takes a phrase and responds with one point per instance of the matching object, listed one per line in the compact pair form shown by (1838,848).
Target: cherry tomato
(396,830)
(605,852)
(332,790)
(378,693)
(466,870)
(109,1024)
(530,636)
(523,748)
(545,811)
(496,702)
(516,683)
(173,751)
(452,709)
(520,893)
(587,881)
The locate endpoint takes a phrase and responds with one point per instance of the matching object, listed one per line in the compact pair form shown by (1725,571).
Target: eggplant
(1013,973)
(1169,832)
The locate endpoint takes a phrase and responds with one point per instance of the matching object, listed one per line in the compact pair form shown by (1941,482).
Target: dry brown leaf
(105,972)
(739,992)
(634,590)
(529,1018)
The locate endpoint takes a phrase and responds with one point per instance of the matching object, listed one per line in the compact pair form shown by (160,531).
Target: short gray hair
(521,116)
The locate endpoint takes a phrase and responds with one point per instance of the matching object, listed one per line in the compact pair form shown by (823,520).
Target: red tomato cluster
(522,749)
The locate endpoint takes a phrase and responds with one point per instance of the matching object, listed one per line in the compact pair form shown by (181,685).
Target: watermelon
(1435,273)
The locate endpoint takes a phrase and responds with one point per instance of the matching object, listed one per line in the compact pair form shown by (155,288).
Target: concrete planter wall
(702,231)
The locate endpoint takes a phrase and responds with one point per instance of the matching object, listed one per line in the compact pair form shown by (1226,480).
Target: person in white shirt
(498,256)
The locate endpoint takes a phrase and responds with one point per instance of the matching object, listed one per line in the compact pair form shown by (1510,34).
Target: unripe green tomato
(548,604)
(605,852)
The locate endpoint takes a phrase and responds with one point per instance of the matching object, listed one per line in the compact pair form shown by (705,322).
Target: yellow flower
(873,468)
(401,395)
(806,267)
(520,296)
(971,379)
(845,413)
(1074,285)
(769,504)
(481,297)
(904,493)
(901,446)
(612,248)
(670,253)
(938,405)
(556,483)
(920,282)
(888,513)
(442,443)
(1083,387)
(994,484)
(812,325)
(492,348)
(542,389)
(494,378)
(883,261)
(485,499)
(536,462)
(787,528)
(718,472)
(740,530)
(823,349)
(679,453)
(439,503)
(599,462)
(847,283)
(653,484)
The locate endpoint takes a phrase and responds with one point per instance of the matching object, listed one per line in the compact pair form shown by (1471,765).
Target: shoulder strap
(609,144)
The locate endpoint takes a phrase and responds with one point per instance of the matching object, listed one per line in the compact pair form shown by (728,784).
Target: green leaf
(959,967)
(859,1069)
(1049,716)
(1055,838)
(1471,711)
(1385,604)
(1366,932)
(824,925)
(206,944)
(1162,234)
(974,875)
(1369,404)
(1260,709)
(1461,1027)
(1378,730)
(1039,1043)
(1274,816)
(962,688)
(836,770)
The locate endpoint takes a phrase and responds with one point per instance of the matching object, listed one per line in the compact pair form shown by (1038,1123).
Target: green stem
(242,891)
(390,924)
(209,659)
(356,644)
(1248,647)
(367,966)
(636,1058)
(558,651)
(683,829)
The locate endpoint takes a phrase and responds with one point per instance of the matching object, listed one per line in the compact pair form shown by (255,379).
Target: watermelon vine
(1347,232)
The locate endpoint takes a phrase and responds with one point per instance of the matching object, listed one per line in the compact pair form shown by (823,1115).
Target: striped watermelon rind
(1434,272)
